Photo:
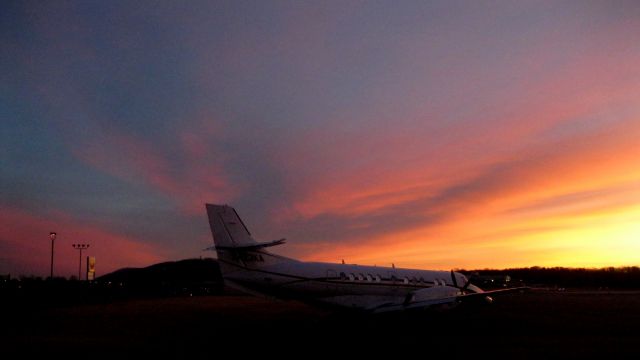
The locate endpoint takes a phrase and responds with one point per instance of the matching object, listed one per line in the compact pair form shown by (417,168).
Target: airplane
(247,265)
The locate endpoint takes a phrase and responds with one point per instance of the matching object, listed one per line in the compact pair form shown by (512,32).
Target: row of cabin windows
(377,278)
(360,277)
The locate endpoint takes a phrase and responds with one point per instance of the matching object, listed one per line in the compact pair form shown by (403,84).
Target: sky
(428,134)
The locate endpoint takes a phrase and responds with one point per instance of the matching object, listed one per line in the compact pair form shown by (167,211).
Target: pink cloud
(24,238)
(384,159)
(197,178)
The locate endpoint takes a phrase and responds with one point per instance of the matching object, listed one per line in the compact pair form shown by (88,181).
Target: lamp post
(80,247)
(52,236)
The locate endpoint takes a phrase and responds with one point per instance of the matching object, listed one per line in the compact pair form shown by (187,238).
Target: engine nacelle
(436,292)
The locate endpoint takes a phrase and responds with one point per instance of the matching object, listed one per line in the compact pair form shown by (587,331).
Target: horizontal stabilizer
(252,246)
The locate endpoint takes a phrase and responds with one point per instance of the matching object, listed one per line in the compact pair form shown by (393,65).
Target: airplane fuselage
(338,284)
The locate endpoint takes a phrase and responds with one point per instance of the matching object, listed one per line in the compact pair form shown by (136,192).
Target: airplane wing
(486,295)
(454,297)
(425,304)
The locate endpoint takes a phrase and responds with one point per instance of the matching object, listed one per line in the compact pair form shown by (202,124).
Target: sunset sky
(431,135)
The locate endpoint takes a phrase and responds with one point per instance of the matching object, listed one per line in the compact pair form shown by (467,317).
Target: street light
(80,247)
(52,236)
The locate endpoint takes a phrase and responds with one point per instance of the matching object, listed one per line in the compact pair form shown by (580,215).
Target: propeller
(464,287)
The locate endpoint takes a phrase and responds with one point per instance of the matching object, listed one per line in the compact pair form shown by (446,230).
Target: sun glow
(596,239)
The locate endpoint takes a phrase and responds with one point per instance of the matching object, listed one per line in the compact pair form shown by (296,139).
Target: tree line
(601,278)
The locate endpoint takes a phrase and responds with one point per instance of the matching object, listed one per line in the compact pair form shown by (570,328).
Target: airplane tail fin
(227,228)
(236,248)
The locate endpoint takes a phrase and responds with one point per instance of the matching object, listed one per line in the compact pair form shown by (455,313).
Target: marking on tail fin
(242,222)
(225,227)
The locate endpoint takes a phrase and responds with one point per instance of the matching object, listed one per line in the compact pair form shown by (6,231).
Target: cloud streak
(188,172)
(581,175)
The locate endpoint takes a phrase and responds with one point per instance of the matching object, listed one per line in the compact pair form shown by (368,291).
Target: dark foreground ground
(536,324)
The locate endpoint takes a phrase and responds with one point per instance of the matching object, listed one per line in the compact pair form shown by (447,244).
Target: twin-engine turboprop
(247,265)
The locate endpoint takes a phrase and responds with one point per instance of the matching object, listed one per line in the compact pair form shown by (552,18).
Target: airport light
(80,247)
(52,236)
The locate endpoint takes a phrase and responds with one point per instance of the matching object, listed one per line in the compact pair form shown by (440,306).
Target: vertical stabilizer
(236,249)
(227,228)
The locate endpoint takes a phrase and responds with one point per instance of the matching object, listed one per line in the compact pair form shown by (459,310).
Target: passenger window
(360,277)
(351,277)
(343,276)
(405,281)
(369,277)
(377,278)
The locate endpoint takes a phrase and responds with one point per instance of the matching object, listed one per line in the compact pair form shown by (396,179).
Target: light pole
(52,236)
(80,247)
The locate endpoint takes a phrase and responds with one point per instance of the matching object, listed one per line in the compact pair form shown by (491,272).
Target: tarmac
(536,324)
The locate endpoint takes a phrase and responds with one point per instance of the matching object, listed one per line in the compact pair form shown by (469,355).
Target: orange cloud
(540,194)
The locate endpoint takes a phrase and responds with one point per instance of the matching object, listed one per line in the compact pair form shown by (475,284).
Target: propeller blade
(466,285)
(453,278)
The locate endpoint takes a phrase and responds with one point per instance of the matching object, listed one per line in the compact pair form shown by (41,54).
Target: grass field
(537,324)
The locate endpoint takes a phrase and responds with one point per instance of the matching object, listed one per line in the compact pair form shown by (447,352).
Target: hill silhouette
(184,277)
